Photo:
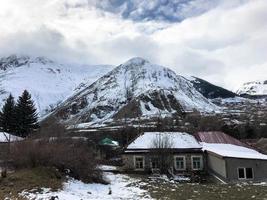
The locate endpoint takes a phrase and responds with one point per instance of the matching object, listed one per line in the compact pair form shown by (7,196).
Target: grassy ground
(160,189)
(28,179)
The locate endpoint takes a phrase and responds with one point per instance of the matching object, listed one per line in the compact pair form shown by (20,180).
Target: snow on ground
(178,139)
(107,167)
(121,187)
(5,137)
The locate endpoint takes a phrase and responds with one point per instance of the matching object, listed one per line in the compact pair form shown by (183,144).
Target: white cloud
(220,45)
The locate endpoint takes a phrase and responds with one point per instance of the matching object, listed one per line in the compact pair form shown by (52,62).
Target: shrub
(75,158)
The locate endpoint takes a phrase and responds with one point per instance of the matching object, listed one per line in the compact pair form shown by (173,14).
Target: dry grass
(28,179)
(166,190)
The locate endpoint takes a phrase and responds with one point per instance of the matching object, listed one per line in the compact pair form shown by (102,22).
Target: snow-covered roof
(233,151)
(179,140)
(5,137)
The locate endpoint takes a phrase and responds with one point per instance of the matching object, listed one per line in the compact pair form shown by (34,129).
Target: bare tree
(51,128)
(161,146)
(6,156)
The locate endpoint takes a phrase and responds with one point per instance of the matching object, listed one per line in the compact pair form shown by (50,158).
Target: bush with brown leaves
(76,158)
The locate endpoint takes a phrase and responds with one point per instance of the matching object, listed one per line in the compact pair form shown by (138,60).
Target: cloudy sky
(222,41)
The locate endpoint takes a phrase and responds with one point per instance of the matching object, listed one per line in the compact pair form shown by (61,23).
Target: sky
(222,41)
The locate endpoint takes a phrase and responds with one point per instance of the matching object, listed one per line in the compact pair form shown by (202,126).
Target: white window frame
(175,163)
(139,169)
(201,162)
(245,173)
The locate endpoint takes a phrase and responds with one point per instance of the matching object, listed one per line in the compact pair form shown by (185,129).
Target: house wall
(259,168)
(216,165)
(129,165)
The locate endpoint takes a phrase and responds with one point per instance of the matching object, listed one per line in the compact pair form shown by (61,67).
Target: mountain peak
(136,61)
(134,89)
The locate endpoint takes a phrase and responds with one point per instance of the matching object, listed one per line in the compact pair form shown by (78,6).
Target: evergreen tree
(7,115)
(26,115)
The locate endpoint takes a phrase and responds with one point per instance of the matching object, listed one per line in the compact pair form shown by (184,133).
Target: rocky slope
(133,89)
(49,82)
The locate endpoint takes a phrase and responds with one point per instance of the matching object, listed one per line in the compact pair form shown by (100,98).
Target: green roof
(109,142)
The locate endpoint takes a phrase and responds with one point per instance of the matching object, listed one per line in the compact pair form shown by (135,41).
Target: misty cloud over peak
(221,41)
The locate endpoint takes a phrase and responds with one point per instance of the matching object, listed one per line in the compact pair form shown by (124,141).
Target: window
(241,173)
(154,163)
(179,162)
(249,173)
(139,162)
(245,173)
(196,162)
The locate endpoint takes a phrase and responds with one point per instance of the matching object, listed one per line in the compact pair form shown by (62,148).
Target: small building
(107,148)
(109,142)
(182,151)
(231,160)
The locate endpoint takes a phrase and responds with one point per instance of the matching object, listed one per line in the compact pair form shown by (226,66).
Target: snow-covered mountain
(256,88)
(133,89)
(49,82)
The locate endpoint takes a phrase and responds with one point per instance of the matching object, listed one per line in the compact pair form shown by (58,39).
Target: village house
(222,156)
(182,150)
(231,160)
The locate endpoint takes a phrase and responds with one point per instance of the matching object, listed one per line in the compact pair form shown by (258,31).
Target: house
(182,151)
(231,160)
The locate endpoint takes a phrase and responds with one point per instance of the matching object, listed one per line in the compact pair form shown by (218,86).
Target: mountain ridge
(49,82)
(105,98)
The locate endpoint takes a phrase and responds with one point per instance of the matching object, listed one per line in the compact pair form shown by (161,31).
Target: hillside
(209,90)
(49,82)
(253,88)
(134,89)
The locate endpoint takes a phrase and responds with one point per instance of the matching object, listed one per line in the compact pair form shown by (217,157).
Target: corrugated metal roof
(261,145)
(219,138)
